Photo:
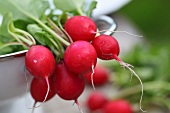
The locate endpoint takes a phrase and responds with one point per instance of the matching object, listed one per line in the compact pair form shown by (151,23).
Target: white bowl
(12,78)
(108,6)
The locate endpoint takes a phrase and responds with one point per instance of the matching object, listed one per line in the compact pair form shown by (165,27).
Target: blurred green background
(153,18)
(152,61)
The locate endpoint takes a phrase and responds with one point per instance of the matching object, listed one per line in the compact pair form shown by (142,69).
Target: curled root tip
(128,66)
(143,110)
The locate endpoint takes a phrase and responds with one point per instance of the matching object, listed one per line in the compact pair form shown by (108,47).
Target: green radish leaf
(42,37)
(21,24)
(24,9)
(4,28)
(69,5)
(91,7)
(38,34)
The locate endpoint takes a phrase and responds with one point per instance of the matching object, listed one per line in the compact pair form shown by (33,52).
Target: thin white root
(120,32)
(128,66)
(92,75)
(34,107)
(78,105)
(131,76)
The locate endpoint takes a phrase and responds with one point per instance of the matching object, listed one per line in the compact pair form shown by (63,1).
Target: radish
(100,76)
(96,101)
(68,85)
(80,28)
(40,62)
(38,90)
(80,57)
(117,106)
(107,48)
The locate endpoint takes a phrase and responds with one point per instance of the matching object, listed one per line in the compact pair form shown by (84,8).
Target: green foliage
(25,23)
(152,65)
(4,28)
(69,5)
(152,17)
(23,9)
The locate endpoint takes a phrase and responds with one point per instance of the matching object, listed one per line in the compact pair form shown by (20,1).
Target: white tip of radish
(128,66)
(34,107)
(78,105)
(92,74)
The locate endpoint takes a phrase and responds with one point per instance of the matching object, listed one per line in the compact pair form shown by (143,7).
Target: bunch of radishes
(63,48)
(64,76)
(97,102)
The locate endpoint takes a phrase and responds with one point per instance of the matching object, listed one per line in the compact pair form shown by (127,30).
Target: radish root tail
(119,32)
(34,107)
(78,105)
(128,66)
(92,75)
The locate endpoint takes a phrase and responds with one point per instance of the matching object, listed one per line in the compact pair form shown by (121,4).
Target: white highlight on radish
(35,61)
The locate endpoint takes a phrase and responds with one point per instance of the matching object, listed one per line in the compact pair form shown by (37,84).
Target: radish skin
(68,85)
(80,57)
(40,61)
(40,92)
(96,100)
(117,106)
(100,76)
(80,28)
(38,89)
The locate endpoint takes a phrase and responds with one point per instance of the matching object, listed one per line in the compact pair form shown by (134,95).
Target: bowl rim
(12,55)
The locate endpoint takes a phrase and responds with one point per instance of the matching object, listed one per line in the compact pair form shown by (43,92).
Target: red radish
(40,61)
(117,106)
(39,88)
(100,76)
(68,86)
(107,48)
(80,57)
(80,28)
(96,101)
